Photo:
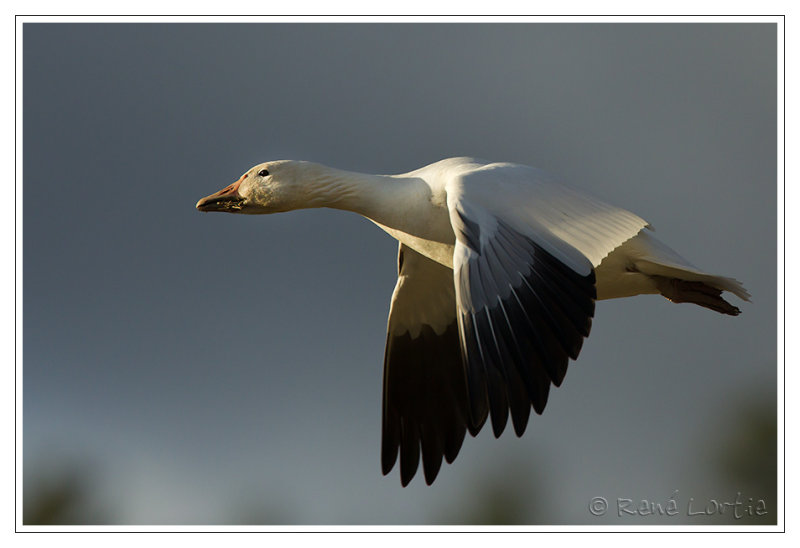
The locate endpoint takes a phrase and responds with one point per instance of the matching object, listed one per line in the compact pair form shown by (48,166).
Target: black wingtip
(516,348)
(386,466)
(521,425)
(453,444)
(474,426)
(430,474)
(426,409)
(407,474)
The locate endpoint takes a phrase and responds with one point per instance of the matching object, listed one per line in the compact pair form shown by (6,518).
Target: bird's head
(270,187)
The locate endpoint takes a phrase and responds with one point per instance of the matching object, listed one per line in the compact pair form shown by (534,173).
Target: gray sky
(217,369)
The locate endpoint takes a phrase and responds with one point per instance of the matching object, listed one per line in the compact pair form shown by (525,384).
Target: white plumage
(499,268)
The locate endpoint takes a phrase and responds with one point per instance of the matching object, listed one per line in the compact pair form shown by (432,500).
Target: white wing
(577,229)
(523,264)
(424,392)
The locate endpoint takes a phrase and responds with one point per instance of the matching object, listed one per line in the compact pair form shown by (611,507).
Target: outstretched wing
(424,388)
(524,279)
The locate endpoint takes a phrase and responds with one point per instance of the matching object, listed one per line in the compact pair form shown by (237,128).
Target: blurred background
(183,368)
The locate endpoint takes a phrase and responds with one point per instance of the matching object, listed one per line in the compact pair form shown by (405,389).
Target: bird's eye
(263,173)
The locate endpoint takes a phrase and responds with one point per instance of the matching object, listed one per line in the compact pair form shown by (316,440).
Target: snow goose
(499,267)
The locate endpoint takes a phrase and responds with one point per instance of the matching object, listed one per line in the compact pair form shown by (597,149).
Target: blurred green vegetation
(740,456)
(512,492)
(63,495)
(746,457)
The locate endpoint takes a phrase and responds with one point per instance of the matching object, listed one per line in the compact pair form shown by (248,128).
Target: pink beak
(228,199)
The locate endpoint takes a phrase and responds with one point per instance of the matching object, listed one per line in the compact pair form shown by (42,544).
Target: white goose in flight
(499,268)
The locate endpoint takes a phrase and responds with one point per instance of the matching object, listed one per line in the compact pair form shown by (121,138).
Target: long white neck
(411,209)
(392,201)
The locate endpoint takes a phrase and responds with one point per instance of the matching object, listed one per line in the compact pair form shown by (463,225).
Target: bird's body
(499,267)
